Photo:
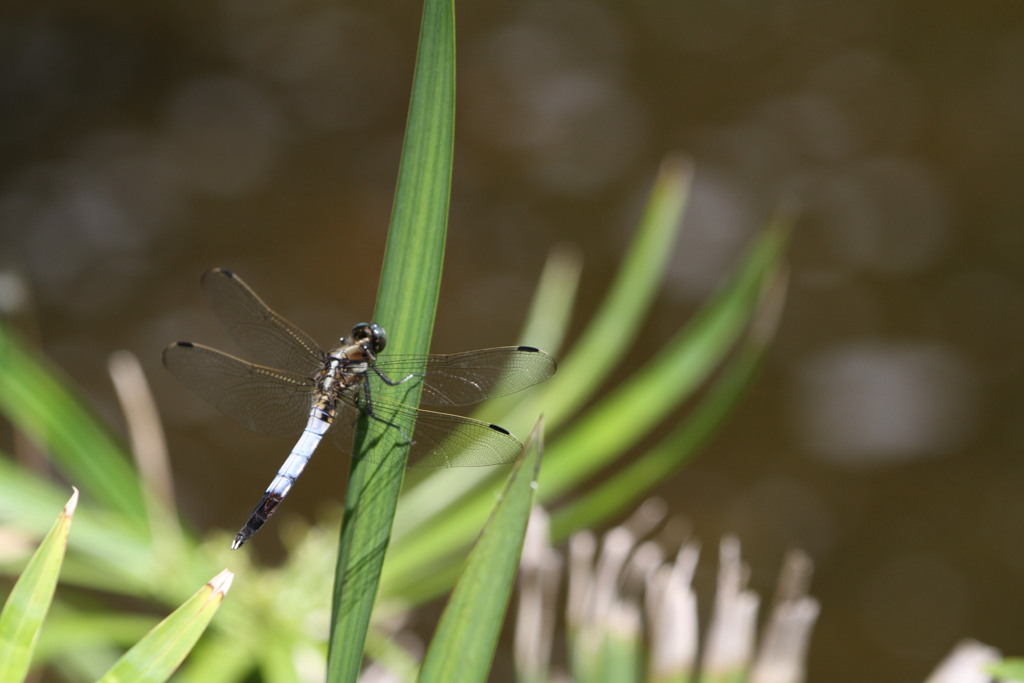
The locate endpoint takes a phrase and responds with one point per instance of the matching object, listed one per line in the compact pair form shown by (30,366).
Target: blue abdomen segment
(317,425)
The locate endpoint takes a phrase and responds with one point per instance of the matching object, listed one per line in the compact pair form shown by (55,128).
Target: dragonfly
(292,387)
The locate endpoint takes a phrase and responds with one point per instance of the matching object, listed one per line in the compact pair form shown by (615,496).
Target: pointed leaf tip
(221,583)
(69,507)
(29,601)
(677,169)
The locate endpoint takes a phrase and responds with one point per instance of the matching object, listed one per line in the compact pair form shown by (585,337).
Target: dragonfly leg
(394,382)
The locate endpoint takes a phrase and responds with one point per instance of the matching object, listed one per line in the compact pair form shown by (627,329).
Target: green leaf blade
(625,415)
(598,352)
(38,401)
(628,299)
(467,634)
(154,658)
(406,305)
(28,603)
(612,496)
(619,420)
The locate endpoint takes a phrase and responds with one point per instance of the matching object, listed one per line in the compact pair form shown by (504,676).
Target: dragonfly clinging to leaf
(295,387)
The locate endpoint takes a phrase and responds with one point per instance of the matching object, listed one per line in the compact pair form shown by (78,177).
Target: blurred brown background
(144,144)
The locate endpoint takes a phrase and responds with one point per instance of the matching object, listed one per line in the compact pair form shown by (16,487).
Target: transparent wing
(439,440)
(264,335)
(261,399)
(459,379)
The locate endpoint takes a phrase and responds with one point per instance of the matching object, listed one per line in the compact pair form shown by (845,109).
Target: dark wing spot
(529,349)
(499,429)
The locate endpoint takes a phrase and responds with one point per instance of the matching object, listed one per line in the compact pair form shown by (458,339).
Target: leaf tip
(69,507)
(677,169)
(221,583)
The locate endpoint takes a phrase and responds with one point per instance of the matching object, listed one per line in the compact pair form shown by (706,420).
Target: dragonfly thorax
(344,371)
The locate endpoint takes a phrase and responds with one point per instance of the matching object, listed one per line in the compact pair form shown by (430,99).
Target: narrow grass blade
(28,603)
(623,417)
(632,482)
(545,327)
(406,303)
(552,305)
(658,387)
(36,400)
(598,352)
(590,361)
(148,448)
(465,639)
(154,658)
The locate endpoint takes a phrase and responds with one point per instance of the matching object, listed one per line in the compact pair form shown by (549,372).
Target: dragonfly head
(375,335)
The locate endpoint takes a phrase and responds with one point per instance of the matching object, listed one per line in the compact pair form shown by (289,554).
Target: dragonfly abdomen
(317,425)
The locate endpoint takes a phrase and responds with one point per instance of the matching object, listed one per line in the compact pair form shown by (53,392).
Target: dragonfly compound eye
(379,337)
(374,334)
